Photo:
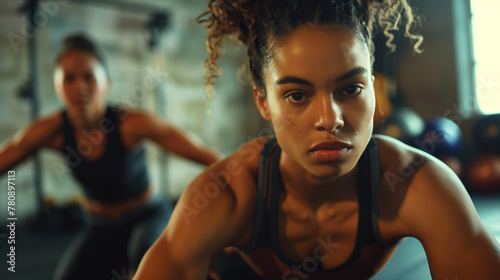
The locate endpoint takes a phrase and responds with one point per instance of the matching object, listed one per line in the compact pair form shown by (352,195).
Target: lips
(330,145)
(330,150)
(80,102)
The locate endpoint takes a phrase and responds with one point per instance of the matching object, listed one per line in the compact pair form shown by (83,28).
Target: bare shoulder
(217,209)
(45,131)
(395,155)
(138,122)
(403,165)
(400,164)
(420,187)
(52,121)
(129,117)
(408,169)
(134,125)
(231,181)
(423,198)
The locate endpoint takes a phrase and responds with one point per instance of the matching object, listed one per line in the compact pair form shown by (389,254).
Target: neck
(314,190)
(87,119)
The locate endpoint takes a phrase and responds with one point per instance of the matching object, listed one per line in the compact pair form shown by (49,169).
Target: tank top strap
(375,174)
(69,136)
(260,222)
(111,125)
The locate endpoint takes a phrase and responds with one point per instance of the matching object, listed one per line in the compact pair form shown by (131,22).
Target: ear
(108,84)
(260,100)
(57,81)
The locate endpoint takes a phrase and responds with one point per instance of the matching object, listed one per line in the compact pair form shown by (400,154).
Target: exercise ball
(486,133)
(483,173)
(404,124)
(441,137)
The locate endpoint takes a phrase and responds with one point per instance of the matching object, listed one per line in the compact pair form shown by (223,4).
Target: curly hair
(261,25)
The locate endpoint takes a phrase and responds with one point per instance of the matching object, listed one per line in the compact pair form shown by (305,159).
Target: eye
(353,90)
(68,79)
(89,78)
(296,97)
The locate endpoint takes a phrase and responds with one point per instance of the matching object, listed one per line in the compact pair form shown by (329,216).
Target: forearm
(23,144)
(206,156)
(10,157)
(189,147)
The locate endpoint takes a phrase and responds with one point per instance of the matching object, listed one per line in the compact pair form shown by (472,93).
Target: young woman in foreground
(326,199)
(103,148)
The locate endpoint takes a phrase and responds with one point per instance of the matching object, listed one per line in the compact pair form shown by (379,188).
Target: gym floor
(38,251)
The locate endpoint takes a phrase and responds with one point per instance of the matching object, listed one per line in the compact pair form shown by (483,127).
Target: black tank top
(118,175)
(266,217)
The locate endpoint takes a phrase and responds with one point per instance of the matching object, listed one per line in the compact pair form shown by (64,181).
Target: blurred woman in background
(103,148)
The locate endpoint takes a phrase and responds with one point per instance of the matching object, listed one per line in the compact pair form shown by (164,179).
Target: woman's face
(320,99)
(81,82)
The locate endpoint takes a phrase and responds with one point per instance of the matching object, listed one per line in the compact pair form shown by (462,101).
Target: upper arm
(141,125)
(207,218)
(41,133)
(439,212)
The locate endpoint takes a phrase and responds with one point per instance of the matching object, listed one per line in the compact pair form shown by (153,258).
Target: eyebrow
(295,80)
(354,72)
(292,80)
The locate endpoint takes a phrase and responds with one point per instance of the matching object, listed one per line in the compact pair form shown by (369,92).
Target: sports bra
(266,217)
(118,175)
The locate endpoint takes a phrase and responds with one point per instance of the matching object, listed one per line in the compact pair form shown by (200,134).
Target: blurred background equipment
(403,124)
(486,133)
(383,87)
(441,137)
(483,174)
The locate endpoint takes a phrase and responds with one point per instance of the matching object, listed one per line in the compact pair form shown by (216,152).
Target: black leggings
(107,249)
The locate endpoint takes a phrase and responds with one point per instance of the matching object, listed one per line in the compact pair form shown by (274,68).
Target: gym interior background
(442,82)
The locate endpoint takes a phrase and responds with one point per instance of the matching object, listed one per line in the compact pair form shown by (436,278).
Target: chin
(329,171)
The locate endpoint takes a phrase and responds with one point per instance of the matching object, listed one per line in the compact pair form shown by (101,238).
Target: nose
(329,114)
(81,85)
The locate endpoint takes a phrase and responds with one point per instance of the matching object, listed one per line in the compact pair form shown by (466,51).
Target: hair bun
(81,42)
